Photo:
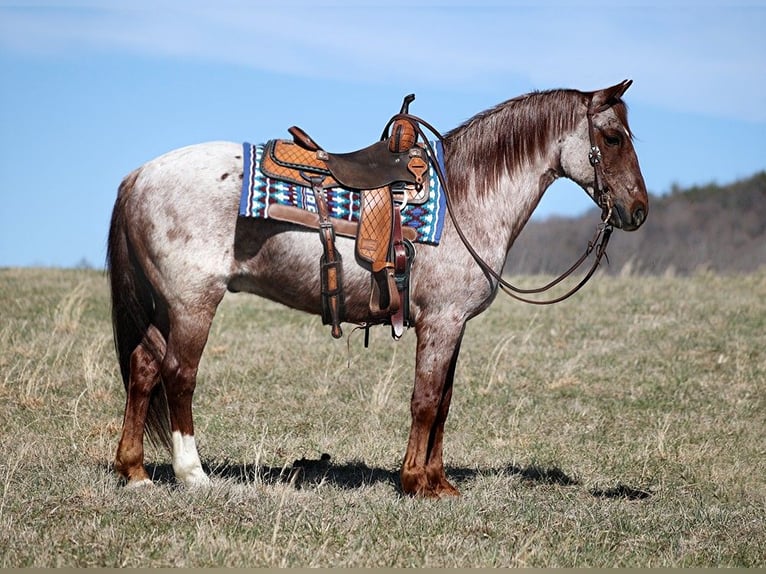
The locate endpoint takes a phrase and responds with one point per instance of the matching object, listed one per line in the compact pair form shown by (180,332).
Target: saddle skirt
(270,189)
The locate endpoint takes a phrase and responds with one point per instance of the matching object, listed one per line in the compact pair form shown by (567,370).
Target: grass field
(624,427)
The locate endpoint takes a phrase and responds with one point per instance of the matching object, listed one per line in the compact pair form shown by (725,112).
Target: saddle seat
(368,168)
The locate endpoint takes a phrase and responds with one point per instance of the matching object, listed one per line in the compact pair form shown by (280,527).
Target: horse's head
(600,157)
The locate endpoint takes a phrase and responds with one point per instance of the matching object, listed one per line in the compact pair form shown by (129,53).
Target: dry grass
(624,427)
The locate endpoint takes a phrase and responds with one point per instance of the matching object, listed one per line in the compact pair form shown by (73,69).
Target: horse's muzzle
(628,219)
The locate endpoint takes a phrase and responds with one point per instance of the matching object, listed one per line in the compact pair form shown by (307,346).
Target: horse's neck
(492,217)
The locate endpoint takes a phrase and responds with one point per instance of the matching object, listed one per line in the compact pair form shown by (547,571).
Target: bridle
(598,242)
(600,189)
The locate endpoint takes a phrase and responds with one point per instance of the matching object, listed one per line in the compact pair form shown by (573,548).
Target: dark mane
(501,139)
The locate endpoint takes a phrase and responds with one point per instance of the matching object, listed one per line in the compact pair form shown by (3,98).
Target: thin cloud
(681,59)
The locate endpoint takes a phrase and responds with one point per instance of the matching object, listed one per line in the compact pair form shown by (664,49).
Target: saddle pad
(259,192)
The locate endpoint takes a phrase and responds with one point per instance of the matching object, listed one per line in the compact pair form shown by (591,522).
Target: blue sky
(90,90)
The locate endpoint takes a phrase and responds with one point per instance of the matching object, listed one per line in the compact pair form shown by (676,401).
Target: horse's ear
(610,96)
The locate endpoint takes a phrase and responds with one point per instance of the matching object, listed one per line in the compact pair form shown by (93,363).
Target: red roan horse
(169,269)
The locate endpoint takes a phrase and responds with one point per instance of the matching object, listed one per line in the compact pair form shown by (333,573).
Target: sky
(90,90)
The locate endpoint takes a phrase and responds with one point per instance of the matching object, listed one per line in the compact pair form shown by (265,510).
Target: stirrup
(384,296)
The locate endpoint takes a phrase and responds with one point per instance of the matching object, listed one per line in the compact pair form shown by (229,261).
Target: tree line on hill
(717,227)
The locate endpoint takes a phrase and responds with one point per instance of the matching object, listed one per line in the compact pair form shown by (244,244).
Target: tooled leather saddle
(388,174)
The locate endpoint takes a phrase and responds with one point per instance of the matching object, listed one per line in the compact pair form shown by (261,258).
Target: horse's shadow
(356,474)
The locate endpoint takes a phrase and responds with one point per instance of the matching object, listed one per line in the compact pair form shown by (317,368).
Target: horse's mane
(501,139)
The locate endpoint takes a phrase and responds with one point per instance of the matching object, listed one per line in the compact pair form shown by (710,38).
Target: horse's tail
(132,310)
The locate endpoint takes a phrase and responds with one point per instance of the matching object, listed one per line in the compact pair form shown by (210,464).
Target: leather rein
(598,242)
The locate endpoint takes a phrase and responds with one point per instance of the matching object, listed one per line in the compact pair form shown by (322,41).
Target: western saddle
(388,174)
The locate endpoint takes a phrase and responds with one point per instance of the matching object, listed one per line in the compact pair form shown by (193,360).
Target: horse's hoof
(438,492)
(197,481)
(426,491)
(442,488)
(140,483)
(418,486)
(446,489)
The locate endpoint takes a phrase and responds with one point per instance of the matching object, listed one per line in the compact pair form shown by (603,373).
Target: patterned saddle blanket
(265,197)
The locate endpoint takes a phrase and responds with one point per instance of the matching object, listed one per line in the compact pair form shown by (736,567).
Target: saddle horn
(408,99)
(403,134)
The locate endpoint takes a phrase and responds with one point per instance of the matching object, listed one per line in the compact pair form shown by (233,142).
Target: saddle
(388,173)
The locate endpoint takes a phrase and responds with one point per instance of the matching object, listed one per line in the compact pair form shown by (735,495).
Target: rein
(598,242)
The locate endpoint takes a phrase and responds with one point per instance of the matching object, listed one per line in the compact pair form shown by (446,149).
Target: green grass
(624,427)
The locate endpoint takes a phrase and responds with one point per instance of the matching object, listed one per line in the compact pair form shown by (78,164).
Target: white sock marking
(186,463)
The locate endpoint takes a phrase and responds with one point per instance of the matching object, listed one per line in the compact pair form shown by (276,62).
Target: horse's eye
(613,139)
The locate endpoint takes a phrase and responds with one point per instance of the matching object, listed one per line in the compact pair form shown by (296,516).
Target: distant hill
(721,228)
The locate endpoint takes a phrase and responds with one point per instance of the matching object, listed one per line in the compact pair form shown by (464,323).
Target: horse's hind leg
(144,375)
(186,341)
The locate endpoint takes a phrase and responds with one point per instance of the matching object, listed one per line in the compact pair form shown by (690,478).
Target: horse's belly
(281,262)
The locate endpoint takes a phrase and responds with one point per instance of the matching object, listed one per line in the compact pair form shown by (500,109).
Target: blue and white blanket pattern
(259,192)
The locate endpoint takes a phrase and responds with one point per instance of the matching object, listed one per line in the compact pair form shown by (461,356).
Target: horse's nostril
(639,215)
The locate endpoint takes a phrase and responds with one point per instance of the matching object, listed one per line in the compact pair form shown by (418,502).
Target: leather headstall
(601,190)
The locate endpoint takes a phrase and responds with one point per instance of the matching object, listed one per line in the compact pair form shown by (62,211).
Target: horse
(168,270)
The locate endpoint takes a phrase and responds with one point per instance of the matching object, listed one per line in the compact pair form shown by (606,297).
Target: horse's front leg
(422,472)
(437,479)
